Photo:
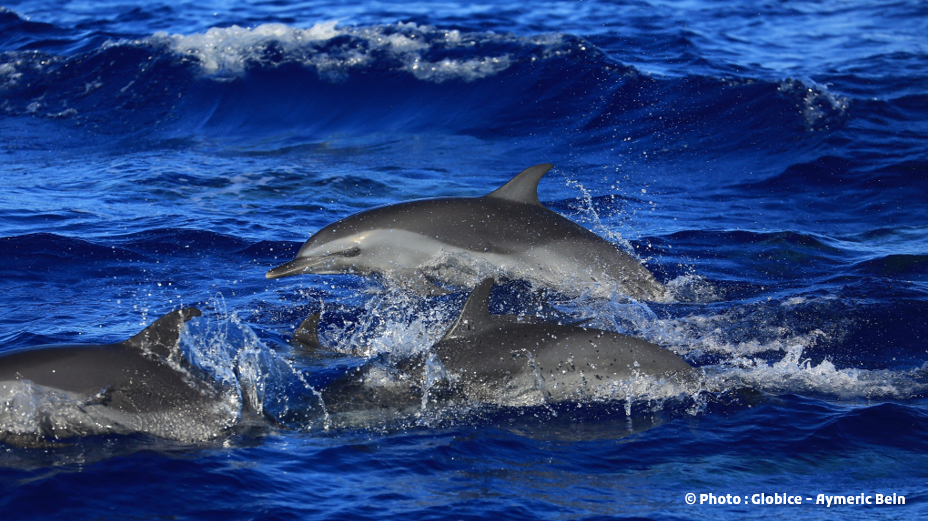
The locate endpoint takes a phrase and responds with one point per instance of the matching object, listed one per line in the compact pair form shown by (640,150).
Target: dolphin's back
(83,370)
(118,377)
(137,374)
(598,354)
(564,360)
(471,223)
(491,353)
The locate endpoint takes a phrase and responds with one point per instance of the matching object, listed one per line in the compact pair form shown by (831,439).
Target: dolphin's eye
(350,252)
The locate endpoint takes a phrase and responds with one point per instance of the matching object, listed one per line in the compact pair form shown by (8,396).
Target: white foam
(9,75)
(692,288)
(231,353)
(769,356)
(468,70)
(764,354)
(820,107)
(386,328)
(798,375)
(588,214)
(228,51)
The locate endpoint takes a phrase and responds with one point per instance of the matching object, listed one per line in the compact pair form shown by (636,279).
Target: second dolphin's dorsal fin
(476,313)
(163,335)
(307,334)
(523,188)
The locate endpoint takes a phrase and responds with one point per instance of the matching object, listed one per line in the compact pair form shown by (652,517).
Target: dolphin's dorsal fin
(476,313)
(523,188)
(162,336)
(307,334)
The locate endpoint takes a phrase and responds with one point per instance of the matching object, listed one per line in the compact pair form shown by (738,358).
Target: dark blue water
(767,161)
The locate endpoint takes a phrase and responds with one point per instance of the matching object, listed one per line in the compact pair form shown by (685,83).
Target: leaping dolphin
(142,384)
(506,232)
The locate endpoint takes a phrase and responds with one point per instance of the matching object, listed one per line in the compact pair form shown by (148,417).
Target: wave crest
(423,51)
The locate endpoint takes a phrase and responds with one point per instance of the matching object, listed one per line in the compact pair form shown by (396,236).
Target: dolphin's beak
(325,264)
(294,267)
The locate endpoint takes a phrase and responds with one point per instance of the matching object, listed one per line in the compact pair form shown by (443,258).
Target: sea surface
(766,160)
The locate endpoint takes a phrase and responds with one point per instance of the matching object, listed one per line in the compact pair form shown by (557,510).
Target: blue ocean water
(766,160)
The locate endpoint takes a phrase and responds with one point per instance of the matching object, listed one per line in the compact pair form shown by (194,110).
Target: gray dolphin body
(508,231)
(140,385)
(497,359)
(495,356)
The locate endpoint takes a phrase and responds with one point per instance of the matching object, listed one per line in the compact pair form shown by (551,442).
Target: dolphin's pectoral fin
(523,188)
(476,313)
(307,334)
(162,336)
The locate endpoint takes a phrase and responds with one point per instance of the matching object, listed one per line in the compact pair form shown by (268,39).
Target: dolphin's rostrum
(506,233)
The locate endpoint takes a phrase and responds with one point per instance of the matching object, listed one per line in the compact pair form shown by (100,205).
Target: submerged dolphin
(507,231)
(498,359)
(142,384)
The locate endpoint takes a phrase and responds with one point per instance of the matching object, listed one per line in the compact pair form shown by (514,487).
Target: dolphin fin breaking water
(306,334)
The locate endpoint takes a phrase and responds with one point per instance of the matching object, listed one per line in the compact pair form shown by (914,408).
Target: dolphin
(506,232)
(502,360)
(498,356)
(142,384)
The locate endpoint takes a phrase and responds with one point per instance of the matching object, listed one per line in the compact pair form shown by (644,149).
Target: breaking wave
(328,79)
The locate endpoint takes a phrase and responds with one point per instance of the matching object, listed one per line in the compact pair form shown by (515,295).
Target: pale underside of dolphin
(141,385)
(502,360)
(460,240)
